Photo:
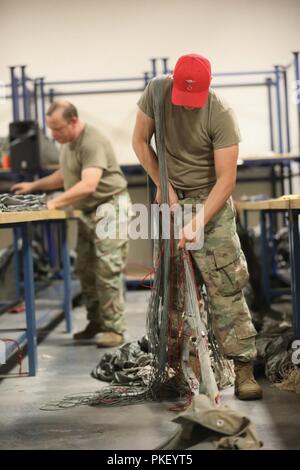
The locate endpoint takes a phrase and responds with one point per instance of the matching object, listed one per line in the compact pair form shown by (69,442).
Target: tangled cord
(290,378)
(113,396)
(22,202)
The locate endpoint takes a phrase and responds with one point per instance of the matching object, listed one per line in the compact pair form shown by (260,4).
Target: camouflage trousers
(221,264)
(100,263)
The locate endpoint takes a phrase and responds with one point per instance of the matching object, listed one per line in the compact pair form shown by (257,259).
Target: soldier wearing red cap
(201,150)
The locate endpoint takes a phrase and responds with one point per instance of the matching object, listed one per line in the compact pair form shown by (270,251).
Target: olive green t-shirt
(191,136)
(91,149)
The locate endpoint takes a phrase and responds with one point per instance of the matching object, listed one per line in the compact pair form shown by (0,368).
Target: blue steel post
(50,244)
(269,83)
(154,71)
(273,182)
(14,94)
(16,231)
(51,95)
(146,78)
(290,177)
(165,64)
(295,267)
(279,123)
(297,90)
(29,298)
(36,98)
(66,275)
(26,98)
(287,127)
(278,108)
(287,115)
(297,93)
(43,98)
(264,250)
(282,178)
(271,238)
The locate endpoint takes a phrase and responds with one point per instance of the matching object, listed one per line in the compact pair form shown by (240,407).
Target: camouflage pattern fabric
(274,348)
(100,263)
(130,364)
(223,267)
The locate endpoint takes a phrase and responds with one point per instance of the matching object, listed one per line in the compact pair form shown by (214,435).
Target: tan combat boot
(91,330)
(245,386)
(109,340)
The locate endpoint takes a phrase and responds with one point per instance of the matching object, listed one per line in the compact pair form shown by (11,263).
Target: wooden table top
(32,216)
(276,204)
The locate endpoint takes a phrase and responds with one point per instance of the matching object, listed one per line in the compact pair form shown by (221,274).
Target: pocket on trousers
(245,330)
(229,270)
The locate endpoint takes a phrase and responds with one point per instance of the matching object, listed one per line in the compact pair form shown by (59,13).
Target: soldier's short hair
(69,110)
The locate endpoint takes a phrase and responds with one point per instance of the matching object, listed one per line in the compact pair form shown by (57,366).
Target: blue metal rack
(274,80)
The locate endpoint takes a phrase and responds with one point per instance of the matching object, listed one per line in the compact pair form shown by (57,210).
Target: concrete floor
(64,368)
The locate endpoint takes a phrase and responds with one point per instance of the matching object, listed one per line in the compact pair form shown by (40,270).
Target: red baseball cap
(191,80)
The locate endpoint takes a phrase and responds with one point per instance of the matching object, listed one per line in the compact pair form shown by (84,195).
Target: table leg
(66,276)
(51,244)
(264,248)
(29,298)
(16,232)
(295,269)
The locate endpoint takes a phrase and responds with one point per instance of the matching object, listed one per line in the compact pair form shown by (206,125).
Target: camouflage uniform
(188,141)
(100,264)
(222,265)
